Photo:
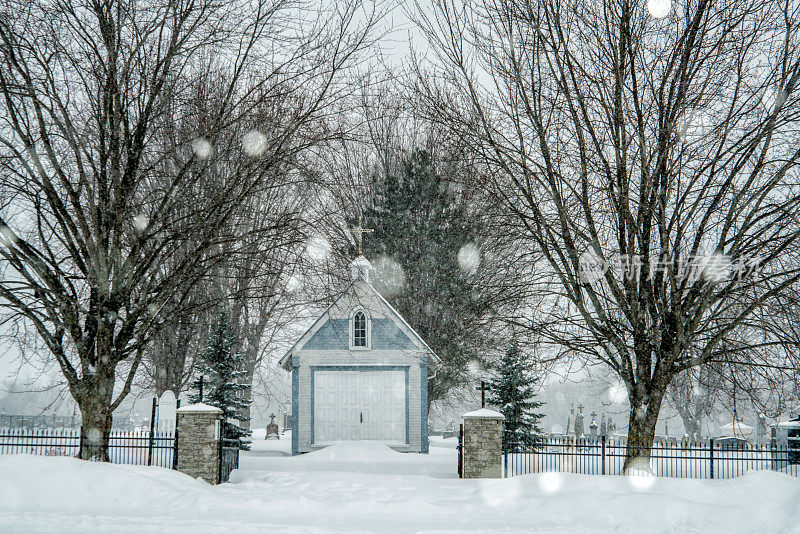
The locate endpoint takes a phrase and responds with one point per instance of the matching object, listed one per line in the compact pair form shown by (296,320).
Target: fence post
(222,429)
(175,439)
(711,455)
(603,455)
(152,429)
(483,444)
(505,456)
(460,451)
(198,450)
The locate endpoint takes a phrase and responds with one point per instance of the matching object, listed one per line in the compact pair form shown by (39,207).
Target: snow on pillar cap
(360,267)
(483,413)
(199,407)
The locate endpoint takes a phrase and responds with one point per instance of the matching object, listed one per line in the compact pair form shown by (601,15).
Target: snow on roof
(739,429)
(199,407)
(484,413)
(789,424)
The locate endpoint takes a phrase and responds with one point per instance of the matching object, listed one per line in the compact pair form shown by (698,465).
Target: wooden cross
(360,231)
(483,388)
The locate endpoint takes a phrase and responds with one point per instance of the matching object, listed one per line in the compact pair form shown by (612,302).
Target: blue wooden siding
(295,404)
(423,384)
(334,335)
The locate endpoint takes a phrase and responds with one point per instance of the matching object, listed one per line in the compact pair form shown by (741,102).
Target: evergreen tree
(421,224)
(512,391)
(224,381)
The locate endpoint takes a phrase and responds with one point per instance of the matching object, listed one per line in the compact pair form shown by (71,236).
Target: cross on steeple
(360,231)
(483,388)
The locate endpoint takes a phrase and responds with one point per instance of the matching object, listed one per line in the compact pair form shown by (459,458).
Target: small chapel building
(360,373)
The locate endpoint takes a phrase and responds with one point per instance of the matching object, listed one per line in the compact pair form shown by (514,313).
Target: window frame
(367,327)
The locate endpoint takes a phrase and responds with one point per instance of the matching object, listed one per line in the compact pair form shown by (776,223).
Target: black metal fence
(125,447)
(228,453)
(606,456)
(9,421)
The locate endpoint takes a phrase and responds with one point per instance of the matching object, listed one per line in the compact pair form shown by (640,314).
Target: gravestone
(593,427)
(571,422)
(167,405)
(272,429)
(579,422)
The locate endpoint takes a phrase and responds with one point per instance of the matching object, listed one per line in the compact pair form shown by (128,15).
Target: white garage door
(359,405)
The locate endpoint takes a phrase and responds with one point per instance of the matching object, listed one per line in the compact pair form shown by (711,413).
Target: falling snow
(254,143)
(390,278)
(201,148)
(318,248)
(140,222)
(469,258)
(658,8)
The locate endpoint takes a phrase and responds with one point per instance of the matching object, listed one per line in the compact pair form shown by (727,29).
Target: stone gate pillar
(483,444)
(198,441)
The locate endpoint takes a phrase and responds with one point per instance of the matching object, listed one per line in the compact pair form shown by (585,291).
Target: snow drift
(46,494)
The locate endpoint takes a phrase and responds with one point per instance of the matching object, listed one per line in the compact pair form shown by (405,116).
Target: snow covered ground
(370,488)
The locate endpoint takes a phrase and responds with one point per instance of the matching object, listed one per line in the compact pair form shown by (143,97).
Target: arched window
(359,329)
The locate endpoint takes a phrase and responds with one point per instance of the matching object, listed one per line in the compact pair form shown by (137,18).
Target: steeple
(360,267)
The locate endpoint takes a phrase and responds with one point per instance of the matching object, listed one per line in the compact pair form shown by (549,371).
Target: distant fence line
(606,456)
(8,421)
(125,446)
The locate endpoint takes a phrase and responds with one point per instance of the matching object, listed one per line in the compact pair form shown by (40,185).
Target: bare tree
(665,148)
(694,396)
(101,191)
(440,258)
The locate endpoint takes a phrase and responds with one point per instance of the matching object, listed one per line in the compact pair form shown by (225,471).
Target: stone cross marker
(483,388)
(167,405)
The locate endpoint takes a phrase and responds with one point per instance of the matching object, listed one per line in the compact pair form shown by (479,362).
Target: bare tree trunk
(642,419)
(96,415)
(691,422)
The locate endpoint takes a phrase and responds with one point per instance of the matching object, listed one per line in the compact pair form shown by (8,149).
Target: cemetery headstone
(167,405)
(272,429)
(571,422)
(593,427)
(579,422)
